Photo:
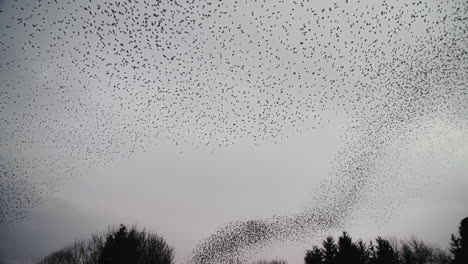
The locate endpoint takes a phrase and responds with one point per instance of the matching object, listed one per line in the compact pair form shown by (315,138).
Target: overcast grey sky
(184,117)
(186,197)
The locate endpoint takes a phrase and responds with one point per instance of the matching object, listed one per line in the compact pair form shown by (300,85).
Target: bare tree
(417,252)
(117,245)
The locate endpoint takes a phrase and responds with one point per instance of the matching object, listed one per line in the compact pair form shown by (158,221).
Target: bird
(85,84)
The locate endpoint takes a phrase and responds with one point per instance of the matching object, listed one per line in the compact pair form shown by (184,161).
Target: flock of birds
(88,83)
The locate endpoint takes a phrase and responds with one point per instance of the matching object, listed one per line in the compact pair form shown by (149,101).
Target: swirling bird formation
(88,83)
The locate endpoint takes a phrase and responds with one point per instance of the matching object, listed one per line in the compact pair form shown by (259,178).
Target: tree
(459,245)
(407,255)
(116,246)
(418,252)
(86,252)
(58,257)
(347,250)
(363,252)
(330,249)
(132,246)
(314,256)
(384,253)
(441,257)
(421,252)
(121,247)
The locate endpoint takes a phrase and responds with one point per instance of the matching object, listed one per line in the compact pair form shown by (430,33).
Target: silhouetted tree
(121,247)
(417,252)
(314,256)
(441,257)
(363,252)
(58,257)
(86,252)
(330,249)
(420,252)
(116,246)
(347,250)
(94,248)
(407,255)
(459,245)
(384,253)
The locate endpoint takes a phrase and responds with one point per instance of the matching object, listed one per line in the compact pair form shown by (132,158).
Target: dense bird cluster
(87,83)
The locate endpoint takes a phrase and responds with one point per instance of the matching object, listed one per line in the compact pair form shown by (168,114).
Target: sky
(191,119)
(187,204)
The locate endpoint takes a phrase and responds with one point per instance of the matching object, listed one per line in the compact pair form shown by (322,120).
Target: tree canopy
(118,246)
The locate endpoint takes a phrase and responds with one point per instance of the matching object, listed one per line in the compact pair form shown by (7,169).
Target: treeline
(380,251)
(389,251)
(124,245)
